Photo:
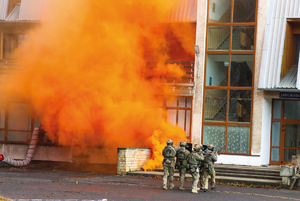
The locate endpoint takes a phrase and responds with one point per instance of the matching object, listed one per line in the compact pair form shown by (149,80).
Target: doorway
(285,131)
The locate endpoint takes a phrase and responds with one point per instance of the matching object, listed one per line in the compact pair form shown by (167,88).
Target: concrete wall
(62,153)
(42,153)
(131,159)
(199,72)
(258,95)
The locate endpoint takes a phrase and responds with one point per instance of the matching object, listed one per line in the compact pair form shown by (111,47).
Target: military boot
(212,188)
(171,185)
(181,187)
(194,190)
(165,187)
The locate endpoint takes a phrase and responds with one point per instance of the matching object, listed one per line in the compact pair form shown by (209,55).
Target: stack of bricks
(131,159)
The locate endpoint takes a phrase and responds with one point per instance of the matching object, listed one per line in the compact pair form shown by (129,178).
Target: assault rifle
(208,154)
(218,151)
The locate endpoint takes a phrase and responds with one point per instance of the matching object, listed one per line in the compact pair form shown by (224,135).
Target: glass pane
(215,135)
(277,109)
(181,118)
(182,102)
(297,49)
(18,136)
(172,102)
(238,139)
(276,134)
(292,110)
(188,123)
(215,105)
(2,135)
(219,11)
(217,70)
(2,115)
(189,101)
(275,154)
(19,116)
(243,38)
(239,106)
(10,43)
(292,135)
(289,153)
(244,10)
(241,70)
(218,38)
(171,117)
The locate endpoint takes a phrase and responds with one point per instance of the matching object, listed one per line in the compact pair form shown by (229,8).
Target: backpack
(169,152)
(181,154)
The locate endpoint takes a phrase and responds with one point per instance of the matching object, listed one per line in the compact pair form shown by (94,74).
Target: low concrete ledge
(131,159)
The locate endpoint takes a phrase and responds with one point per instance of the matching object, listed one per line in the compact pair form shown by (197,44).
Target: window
(290,55)
(11,41)
(17,122)
(229,75)
(178,112)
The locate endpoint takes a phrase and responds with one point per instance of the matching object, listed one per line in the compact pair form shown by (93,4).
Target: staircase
(269,175)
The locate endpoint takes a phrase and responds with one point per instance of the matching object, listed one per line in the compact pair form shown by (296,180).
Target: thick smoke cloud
(84,72)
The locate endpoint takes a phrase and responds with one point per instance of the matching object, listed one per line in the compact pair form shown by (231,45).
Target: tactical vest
(208,158)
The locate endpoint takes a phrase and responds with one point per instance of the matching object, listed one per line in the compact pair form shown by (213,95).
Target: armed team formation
(199,162)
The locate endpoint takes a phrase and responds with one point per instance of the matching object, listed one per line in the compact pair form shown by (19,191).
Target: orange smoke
(84,73)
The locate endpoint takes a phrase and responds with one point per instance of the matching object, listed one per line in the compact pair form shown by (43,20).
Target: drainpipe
(30,151)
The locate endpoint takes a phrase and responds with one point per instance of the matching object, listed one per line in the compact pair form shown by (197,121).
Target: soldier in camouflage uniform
(169,154)
(210,157)
(181,163)
(194,159)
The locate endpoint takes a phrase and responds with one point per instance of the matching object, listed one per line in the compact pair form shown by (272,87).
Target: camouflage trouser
(204,179)
(168,171)
(182,172)
(195,176)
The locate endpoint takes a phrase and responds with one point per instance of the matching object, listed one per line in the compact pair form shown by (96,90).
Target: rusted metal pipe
(30,152)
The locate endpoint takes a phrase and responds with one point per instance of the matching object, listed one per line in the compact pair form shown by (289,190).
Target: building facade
(247,63)
(241,91)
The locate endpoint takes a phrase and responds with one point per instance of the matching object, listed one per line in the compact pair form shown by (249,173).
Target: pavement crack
(261,195)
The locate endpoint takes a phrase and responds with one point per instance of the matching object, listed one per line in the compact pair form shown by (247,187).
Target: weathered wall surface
(132,159)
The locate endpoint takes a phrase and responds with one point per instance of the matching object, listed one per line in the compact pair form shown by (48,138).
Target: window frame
(229,88)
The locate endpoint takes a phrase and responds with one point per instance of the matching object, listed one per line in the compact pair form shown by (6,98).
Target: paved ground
(22,183)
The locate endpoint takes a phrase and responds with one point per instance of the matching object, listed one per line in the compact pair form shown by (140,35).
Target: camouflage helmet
(183,144)
(170,142)
(211,147)
(197,148)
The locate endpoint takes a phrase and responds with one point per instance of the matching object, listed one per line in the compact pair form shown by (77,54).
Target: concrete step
(245,174)
(224,179)
(239,174)
(242,173)
(269,175)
